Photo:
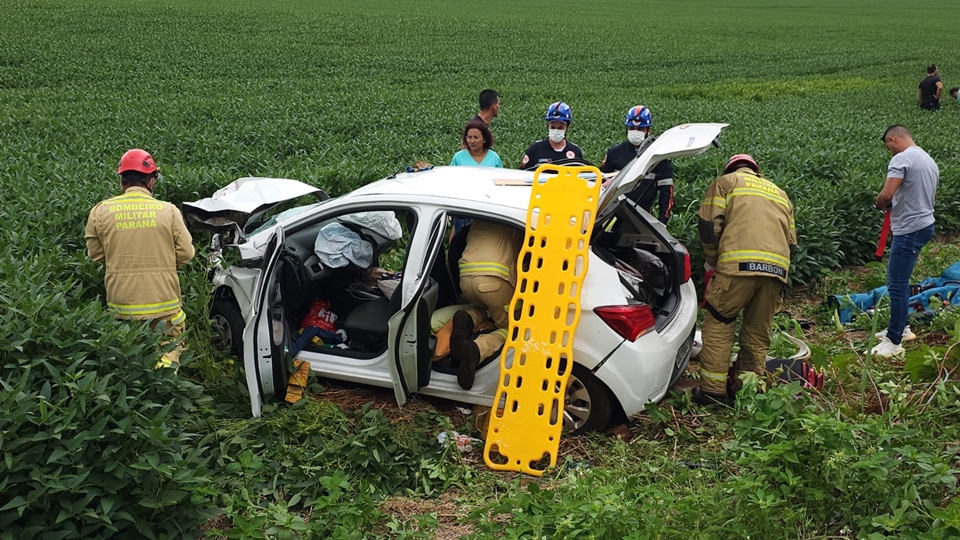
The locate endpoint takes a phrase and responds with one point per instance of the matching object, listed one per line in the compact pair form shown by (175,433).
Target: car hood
(682,140)
(245,199)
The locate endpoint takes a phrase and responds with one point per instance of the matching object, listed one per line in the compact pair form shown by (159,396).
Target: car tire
(227,326)
(588,404)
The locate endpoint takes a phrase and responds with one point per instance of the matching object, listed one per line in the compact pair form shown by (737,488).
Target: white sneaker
(886,349)
(908,334)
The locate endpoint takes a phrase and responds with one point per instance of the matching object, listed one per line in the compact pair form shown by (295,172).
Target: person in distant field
(953,93)
(556,146)
(488,278)
(639,122)
(141,241)
(909,192)
(748,235)
(489,109)
(489,106)
(478,142)
(928,93)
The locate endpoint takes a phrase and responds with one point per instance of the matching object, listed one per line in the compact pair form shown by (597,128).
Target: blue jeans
(903,256)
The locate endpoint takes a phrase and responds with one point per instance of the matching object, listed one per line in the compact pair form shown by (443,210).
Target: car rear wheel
(588,405)
(227,325)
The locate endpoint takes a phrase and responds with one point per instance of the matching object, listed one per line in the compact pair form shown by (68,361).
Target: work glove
(811,377)
(708,273)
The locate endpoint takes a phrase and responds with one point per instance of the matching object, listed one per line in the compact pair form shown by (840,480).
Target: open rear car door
(410,344)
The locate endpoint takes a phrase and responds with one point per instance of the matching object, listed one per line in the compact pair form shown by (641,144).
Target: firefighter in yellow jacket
(748,235)
(141,241)
(488,277)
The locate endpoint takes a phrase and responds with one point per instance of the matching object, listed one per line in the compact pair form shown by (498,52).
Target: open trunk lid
(682,140)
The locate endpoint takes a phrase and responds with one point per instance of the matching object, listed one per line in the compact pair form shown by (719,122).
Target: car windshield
(284,215)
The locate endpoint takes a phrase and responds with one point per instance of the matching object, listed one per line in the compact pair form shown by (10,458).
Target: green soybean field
(94,443)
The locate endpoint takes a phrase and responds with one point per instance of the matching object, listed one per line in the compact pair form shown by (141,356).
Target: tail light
(630,322)
(686,264)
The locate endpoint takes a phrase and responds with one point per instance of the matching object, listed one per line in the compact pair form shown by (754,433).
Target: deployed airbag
(337,246)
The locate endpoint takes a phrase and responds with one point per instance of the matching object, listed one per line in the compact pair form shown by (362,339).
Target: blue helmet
(638,116)
(559,112)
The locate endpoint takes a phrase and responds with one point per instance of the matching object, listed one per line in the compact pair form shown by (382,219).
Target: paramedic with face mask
(658,181)
(556,146)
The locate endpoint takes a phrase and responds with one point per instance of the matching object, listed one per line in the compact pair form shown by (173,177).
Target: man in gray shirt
(909,193)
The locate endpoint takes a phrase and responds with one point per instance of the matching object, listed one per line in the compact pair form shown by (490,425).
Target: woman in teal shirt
(478,142)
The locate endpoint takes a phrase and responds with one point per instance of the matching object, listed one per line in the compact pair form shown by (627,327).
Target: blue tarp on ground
(930,295)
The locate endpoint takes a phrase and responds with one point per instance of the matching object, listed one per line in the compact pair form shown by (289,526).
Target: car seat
(454,251)
(371,319)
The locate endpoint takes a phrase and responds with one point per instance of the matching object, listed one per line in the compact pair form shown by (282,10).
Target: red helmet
(137,160)
(741,160)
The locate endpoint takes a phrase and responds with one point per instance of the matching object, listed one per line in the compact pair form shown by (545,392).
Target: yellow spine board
(527,415)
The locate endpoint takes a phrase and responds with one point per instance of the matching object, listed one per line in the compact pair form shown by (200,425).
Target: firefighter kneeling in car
(748,236)
(488,278)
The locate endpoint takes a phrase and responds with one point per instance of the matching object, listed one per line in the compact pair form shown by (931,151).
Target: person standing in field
(489,106)
(141,241)
(748,236)
(489,109)
(658,183)
(556,146)
(478,142)
(909,192)
(930,89)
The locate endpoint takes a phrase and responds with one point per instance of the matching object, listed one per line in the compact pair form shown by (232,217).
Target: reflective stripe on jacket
(492,250)
(141,241)
(747,227)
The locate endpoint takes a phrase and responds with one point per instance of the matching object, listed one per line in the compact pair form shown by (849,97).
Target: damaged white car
(376,268)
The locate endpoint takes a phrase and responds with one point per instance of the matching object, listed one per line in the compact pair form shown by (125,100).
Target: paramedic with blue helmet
(556,146)
(658,183)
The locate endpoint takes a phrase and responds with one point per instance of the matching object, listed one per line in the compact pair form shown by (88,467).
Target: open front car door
(265,339)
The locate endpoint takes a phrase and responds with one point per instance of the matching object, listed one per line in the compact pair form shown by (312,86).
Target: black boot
(708,399)
(463,350)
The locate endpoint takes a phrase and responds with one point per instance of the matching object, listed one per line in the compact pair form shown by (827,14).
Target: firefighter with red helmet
(748,236)
(141,241)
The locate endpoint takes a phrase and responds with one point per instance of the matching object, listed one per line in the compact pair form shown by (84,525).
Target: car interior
(355,274)
(650,269)
(360,295)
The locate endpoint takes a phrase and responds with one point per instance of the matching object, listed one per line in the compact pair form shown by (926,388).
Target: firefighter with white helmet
(748,236)
(141,241)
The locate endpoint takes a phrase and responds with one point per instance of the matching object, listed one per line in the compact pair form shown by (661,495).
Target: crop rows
(340,93)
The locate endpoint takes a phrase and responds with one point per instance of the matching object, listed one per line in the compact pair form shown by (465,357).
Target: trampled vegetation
(96,444)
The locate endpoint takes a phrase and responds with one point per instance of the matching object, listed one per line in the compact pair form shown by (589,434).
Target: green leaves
(95,443)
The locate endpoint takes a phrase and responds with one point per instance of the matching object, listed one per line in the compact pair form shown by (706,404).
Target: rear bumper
(643,371)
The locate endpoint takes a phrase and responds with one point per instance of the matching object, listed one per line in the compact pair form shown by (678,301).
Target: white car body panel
(639,372)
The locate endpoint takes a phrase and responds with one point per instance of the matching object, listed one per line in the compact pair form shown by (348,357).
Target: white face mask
(556,135)
(636,137)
